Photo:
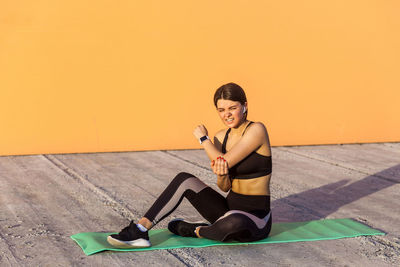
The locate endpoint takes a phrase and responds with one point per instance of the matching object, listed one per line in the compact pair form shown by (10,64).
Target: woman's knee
(224,228)
(237,221)
(181,177)
(232,223)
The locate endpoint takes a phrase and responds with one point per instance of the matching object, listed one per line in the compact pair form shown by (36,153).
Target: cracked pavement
(46,198)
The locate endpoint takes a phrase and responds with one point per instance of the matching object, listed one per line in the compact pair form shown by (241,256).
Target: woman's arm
(218,164)
(224,182)
(220,168)
(255,136)
(213,150)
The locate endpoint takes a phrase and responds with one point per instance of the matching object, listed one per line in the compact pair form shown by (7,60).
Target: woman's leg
(237,225)
(209,203)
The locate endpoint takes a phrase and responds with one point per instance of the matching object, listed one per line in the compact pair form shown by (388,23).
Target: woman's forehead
(224,103)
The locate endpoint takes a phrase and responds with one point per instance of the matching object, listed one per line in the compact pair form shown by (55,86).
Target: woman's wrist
(223,182)
(203,138)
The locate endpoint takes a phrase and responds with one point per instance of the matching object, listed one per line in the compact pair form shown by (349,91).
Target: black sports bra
(252,166)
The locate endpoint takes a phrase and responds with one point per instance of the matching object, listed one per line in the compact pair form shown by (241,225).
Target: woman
(241,158)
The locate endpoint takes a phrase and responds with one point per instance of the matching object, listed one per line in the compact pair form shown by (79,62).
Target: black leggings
(226,224)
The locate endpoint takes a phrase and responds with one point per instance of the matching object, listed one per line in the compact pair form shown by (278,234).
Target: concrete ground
(46,198)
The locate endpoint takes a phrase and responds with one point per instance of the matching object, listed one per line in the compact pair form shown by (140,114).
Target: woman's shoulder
(258,131)
(257,126)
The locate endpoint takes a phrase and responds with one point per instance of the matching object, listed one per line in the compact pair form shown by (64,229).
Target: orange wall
(88,76)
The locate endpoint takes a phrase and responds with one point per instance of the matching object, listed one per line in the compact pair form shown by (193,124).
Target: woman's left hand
(220,166)
(200,131)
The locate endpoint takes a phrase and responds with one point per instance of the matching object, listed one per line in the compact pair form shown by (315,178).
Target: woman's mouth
(230,120)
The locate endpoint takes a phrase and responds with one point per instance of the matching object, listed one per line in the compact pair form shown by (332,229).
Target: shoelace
(125,231)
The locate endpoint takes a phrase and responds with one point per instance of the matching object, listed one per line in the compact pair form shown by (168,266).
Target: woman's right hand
(220,166)
(200,131)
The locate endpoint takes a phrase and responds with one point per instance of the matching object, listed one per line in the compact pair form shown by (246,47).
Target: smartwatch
(202,139)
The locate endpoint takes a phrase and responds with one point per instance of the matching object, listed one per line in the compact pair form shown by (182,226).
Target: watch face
(202,139)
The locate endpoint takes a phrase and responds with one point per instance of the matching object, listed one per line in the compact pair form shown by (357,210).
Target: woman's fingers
(214,166)
(200,131)
(218,166)
(225,167)
(203,129)
(221,166)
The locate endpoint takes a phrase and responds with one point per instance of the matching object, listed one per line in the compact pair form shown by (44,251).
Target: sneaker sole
(138,243)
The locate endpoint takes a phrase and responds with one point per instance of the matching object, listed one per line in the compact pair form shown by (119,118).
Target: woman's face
(230,112)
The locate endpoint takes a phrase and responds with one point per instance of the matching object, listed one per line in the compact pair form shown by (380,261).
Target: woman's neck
(240,128)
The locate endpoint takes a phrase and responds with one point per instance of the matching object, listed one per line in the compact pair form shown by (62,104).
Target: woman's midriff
(255,186)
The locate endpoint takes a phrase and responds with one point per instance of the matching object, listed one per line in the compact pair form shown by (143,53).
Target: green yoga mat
(94,242)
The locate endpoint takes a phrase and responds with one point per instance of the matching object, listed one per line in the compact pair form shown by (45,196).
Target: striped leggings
(226,224)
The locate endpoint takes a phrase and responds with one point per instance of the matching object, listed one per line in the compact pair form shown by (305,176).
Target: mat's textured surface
(94,242)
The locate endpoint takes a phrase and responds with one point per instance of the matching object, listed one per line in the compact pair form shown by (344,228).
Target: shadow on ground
(320,202)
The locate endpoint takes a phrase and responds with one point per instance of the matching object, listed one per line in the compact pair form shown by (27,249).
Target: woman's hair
(231,91)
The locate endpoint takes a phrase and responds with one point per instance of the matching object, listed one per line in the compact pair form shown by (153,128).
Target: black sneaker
(130,237)
(182,228)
